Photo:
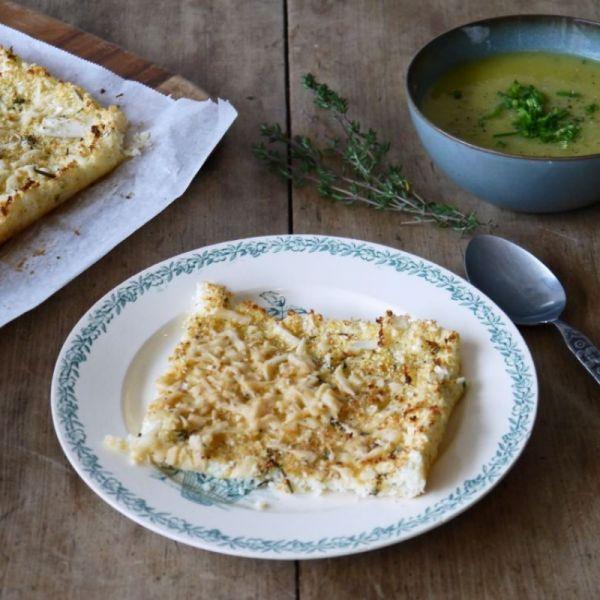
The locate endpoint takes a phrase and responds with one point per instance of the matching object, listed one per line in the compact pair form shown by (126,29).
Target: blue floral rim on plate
(512,442)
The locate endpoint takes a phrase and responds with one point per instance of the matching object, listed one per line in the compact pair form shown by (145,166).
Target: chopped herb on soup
(568,94)
(528,103)
(533,117)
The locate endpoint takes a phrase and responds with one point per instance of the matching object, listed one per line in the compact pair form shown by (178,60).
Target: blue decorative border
(511,444)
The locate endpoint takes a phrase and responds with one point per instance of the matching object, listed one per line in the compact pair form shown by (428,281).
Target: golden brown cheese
(55,140)
(305,403)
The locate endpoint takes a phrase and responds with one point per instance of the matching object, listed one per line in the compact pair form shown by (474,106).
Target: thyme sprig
(364,176)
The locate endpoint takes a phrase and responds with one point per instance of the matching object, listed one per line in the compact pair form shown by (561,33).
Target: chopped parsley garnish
(456,94)
(533,118)
(590,109)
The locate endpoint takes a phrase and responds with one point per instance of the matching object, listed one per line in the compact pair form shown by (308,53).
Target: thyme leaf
(44,173)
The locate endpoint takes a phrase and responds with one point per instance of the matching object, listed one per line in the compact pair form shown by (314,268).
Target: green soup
(471,102)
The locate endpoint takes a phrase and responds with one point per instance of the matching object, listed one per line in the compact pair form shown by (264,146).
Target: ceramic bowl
(525,184)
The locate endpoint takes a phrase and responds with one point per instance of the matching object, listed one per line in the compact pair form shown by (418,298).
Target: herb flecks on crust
(55,140)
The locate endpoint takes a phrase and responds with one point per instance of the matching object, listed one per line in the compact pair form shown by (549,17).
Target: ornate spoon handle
(587,354)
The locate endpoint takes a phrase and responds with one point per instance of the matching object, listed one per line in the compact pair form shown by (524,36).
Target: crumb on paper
(102,91)
(19,266)
(139,142)
(119,95)
(39,252)
(261,505)
(76,232)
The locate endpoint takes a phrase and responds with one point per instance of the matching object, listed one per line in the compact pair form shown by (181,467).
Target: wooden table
(536,536)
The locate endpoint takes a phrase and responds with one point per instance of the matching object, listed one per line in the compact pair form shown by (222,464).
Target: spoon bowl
(527,290)
(524,287)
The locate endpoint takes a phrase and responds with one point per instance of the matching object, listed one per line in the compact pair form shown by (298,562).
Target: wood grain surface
(536,536)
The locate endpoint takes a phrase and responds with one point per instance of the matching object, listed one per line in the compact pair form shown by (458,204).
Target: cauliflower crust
(55,140)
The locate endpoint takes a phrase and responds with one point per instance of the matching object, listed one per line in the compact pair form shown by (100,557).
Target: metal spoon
(527,291)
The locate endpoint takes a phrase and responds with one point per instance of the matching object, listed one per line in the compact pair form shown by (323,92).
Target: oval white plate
(105,373)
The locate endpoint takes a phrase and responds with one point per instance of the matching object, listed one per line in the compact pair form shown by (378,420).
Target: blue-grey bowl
(525,184)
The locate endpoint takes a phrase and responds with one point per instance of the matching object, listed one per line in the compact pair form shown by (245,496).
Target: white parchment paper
(45,257)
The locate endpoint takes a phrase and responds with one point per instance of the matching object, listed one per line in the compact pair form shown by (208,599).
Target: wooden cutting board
(97,50)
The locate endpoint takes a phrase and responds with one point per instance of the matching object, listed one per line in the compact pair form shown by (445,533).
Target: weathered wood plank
(537,534)
(58,539)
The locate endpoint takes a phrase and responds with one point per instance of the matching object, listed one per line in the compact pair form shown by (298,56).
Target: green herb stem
(568,94)
(505,134)
(363,176)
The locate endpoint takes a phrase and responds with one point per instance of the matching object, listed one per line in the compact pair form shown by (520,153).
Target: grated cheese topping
(305,403)
(45,124)
(55,140)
